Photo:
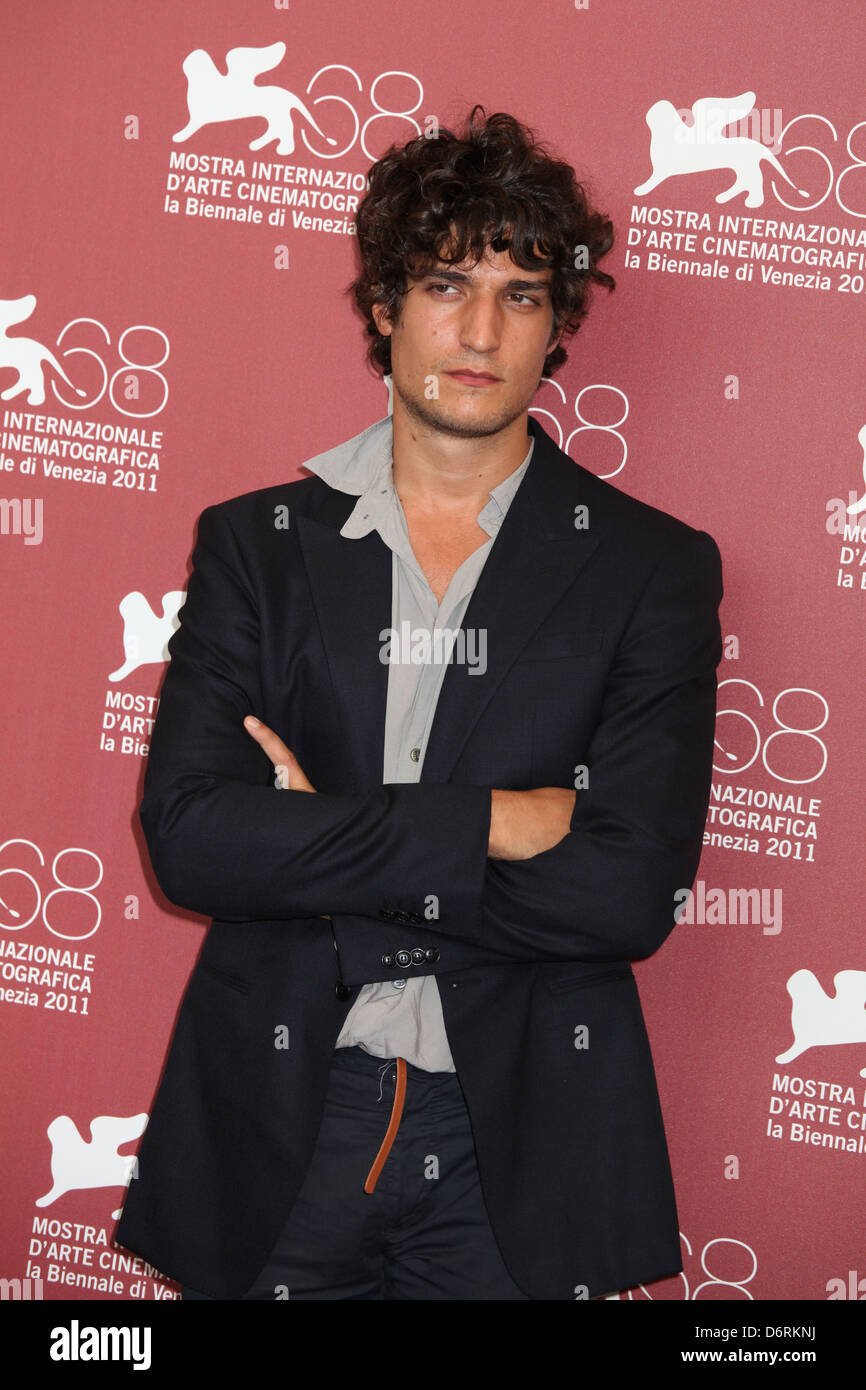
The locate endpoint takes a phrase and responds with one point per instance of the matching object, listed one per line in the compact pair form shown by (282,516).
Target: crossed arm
(521,823)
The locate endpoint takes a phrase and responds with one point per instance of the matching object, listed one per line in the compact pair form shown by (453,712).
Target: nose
(481,323)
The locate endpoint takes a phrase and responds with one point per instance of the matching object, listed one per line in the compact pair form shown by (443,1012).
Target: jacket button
(388,959)
(343,992)
(387,914)
(432,953)
(403,959)
(402,917)
(418,956)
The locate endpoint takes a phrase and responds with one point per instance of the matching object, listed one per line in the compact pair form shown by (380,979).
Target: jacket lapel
(536,556)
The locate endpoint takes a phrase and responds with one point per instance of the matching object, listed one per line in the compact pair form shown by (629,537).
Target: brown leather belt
(391,1132)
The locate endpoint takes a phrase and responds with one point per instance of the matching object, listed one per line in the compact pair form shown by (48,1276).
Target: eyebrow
(460,277)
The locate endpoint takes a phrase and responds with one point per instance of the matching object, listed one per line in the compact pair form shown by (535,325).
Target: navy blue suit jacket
(602,648)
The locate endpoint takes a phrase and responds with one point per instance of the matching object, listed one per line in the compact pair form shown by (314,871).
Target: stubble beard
(436,416)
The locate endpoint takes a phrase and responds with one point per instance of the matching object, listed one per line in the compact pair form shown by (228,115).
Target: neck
(448,472)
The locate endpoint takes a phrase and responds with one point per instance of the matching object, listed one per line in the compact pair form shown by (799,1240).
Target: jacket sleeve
(606,891)
(225,841)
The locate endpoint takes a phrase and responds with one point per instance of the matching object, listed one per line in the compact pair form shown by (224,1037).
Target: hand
(526,823)
(290,774)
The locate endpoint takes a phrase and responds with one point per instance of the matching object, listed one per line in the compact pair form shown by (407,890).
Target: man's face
(493,318)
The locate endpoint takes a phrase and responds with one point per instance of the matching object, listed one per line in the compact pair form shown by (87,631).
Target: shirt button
(399,984)
(415,754)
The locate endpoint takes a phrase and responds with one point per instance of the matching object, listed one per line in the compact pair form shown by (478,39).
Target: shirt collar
(363,467)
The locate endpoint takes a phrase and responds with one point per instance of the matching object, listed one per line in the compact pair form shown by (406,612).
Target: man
(411,1061)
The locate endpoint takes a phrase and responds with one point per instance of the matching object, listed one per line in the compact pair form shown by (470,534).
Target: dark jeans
(423,1233)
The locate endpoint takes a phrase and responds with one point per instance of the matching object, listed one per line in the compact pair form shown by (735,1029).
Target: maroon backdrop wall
(174,331)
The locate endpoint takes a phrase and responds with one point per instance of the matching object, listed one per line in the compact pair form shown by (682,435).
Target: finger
(289,773)
(270,742)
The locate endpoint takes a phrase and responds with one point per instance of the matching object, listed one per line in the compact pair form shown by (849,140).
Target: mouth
(470,378)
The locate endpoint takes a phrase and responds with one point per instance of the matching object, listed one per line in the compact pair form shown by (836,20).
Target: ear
(554,342)
(383,324)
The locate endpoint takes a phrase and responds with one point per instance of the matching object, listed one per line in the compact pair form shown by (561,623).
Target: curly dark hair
(494,184)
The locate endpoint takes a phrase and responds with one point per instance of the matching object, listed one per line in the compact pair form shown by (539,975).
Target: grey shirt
(403,1017)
